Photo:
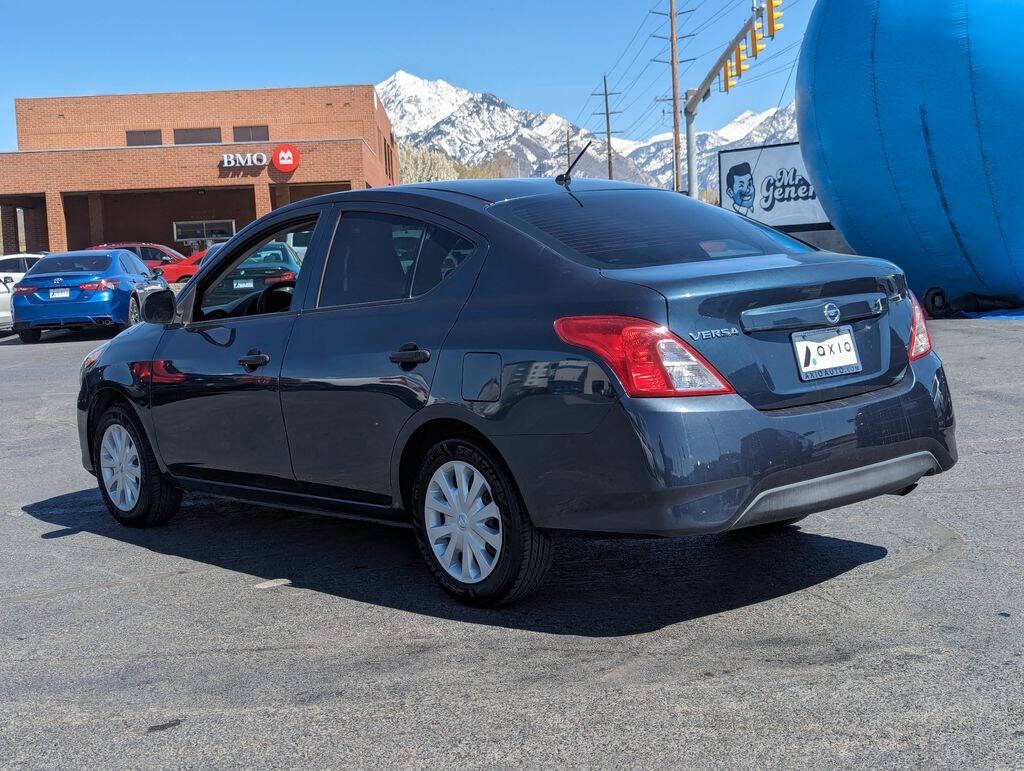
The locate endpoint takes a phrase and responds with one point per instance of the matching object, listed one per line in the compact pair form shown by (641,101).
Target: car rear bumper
(709,464)
(57,315)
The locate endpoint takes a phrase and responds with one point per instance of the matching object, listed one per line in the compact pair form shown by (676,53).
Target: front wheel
(133,312)
(131,484)
(472,528)
(30,335)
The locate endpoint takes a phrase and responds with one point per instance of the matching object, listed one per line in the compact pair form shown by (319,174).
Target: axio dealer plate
(58,293)
(826,352)
(243,283)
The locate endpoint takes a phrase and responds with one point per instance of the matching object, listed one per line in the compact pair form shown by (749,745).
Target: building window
(196,136)
(147,138)
(251,133)
(204,230)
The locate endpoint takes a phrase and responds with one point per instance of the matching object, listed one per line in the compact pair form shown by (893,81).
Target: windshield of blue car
(640,228)
(71,263)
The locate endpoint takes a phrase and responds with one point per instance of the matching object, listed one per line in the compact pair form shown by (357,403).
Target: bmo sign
(284,158)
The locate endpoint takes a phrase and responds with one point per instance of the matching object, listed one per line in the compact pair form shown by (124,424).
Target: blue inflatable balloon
(910,115)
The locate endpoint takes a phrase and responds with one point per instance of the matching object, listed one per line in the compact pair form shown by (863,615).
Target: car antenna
(564,179)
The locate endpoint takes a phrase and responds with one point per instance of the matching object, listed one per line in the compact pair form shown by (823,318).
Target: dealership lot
(235,635)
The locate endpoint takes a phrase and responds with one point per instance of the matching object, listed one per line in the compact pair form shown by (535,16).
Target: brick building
(183,169)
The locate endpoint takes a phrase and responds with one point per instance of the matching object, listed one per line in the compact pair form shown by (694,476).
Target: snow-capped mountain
(473,128)
(748,130)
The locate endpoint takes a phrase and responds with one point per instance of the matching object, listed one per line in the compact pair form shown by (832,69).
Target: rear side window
(441,253)
(69,263)
(378,257)
(638,228)
(11,264)
(371,259)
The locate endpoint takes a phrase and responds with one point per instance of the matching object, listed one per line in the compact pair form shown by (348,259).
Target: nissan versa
(492,361)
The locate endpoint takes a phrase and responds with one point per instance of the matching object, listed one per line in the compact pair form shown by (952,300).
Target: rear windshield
(637,228)
(72,263)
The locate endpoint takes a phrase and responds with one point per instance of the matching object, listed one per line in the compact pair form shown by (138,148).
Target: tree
(422,165)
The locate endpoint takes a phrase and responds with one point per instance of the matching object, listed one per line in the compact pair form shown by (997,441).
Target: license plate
(826,353)
(243,283)
(58,293)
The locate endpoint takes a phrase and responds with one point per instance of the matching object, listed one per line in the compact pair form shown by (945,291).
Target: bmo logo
(285,158)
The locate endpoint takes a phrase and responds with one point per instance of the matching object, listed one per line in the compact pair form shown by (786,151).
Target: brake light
(25,289)
(286,276)
(647,358)
(99,286)
(920,337)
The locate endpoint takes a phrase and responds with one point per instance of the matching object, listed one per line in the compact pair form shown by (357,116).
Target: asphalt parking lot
(887,633)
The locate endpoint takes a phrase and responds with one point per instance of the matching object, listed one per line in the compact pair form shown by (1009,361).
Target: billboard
(769,184)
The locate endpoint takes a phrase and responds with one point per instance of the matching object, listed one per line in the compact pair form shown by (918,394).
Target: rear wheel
(131,484)
(472,528)
(30,335)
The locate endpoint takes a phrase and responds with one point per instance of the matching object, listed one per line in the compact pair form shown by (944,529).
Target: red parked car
(176,267)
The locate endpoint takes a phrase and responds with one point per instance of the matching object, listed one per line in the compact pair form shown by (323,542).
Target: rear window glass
(70,263)
(637,228)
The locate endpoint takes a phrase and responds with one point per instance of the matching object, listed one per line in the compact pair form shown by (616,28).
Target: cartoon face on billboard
(739,186)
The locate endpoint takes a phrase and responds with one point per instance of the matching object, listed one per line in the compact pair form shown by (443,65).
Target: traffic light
(773,10)
(728,81)
(756,36)
(741,57)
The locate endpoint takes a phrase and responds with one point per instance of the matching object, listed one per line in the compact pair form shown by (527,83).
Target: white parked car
(6,322)
(14,266)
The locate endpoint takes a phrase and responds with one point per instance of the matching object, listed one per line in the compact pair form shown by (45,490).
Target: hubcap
(463,522)
(119,466)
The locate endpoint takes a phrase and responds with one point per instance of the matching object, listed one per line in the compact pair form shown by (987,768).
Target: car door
(215,383)
(362,354)
(5,305)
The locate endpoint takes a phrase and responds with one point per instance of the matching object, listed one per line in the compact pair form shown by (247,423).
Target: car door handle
(254,359)
(409,355)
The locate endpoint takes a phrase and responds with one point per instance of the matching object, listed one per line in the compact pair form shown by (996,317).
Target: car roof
(87,253)
(492,190)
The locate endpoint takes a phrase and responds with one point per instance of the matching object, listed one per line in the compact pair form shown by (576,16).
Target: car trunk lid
(741,314)
(52,286)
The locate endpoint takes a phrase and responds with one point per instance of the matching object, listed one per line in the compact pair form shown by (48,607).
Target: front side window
(259,280)
(381,257)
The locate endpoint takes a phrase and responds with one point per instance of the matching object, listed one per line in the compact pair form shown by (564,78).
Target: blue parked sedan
(75,290)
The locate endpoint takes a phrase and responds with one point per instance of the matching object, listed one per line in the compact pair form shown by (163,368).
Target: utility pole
(675,94)
(608,113)
(763,21)
(673,38)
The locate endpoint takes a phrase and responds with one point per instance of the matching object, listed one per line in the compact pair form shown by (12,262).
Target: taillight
(25,289)
(99,286)
(920,338)
(286,276)
(647,358)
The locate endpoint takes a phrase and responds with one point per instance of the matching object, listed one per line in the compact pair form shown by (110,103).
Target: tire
(29,336)
(157,499)
(520,563)
(133,312)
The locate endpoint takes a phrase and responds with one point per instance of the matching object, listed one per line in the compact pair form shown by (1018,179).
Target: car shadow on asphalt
(63,336)
(597,587)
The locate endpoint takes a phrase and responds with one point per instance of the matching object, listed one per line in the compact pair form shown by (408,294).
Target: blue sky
(536,55)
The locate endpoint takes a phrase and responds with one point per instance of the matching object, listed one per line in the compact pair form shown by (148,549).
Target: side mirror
(157,272)
(158,307)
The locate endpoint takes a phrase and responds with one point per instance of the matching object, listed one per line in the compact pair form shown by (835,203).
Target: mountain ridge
(475,127)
